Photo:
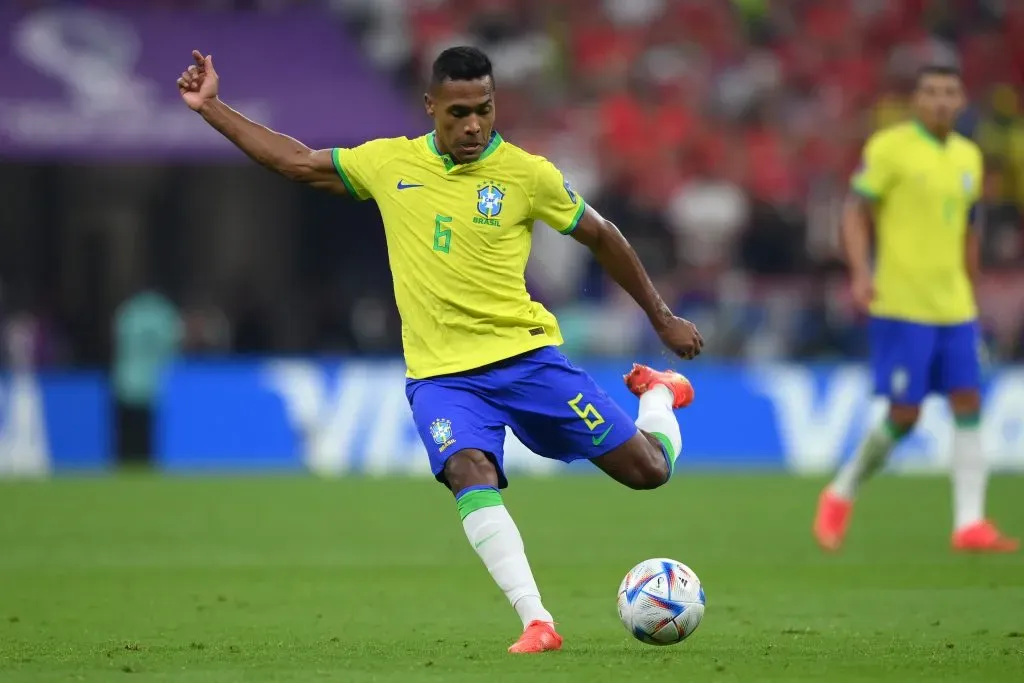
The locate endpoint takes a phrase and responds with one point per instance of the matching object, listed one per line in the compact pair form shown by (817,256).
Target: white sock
(657,418)
(494,536)
(872,453)
(970,476)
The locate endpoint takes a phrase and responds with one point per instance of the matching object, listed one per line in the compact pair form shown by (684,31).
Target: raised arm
(285,155)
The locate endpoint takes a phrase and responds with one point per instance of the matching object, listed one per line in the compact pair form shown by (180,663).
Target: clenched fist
(199,83)
(682,337)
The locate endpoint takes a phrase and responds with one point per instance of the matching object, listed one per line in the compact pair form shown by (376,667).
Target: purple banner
(80,83)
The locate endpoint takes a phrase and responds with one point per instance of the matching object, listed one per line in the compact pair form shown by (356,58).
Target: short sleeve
(554,200)
(875,175)
(358,166)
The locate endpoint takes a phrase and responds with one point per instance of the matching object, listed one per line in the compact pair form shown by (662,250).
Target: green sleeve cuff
(336,158)
(864,191)
(568,230)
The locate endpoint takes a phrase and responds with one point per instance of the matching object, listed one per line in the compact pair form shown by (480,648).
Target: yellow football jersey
(458,240)
(923,189)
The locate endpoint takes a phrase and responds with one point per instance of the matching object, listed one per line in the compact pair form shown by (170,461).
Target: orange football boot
(983,537)
(539,636)
(831,520)
(642,378)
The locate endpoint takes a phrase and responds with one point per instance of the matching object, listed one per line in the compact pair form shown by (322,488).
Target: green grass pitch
(189,580)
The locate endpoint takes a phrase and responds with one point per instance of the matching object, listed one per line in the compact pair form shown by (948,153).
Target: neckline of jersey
(928,135)
(449,161)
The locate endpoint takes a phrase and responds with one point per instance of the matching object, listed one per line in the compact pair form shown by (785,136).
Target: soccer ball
(661,601)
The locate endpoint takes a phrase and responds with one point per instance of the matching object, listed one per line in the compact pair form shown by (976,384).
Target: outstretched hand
(199,83)
(682,337)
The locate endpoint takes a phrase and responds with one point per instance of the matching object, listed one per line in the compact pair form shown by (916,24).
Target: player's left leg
(958,374)
(464,434)
(474,476)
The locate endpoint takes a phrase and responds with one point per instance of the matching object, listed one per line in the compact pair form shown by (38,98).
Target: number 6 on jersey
(442,235)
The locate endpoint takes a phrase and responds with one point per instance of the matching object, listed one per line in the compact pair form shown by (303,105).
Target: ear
(428,104)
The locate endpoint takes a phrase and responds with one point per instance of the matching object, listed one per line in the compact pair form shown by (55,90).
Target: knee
(966,405)
(649,471)
(470,467)
(902,419)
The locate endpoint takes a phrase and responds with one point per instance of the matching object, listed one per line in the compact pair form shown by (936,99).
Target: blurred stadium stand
(718,135)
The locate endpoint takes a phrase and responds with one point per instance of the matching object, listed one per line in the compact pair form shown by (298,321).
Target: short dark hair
(461,63)
(936,70)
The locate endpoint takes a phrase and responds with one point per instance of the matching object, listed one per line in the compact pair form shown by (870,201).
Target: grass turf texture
(296,579)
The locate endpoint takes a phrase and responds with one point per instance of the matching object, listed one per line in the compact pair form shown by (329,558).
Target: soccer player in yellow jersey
(919,182)
(459,206)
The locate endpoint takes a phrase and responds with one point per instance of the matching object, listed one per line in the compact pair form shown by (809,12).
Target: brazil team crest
(441,433)
(569,191)
(490,196)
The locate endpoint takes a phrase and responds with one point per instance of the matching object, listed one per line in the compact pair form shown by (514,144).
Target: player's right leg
(558,411)
(901,358)
(464,436)
(649,458)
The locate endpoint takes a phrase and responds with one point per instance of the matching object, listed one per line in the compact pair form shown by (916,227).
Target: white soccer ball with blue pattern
(661,602)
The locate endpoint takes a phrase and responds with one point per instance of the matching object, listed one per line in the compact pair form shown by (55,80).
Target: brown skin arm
(199,86)
(856,240)
(276,151)
(621,262)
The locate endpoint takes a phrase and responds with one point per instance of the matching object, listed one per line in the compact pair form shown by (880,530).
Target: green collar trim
(450,162)
(927,134)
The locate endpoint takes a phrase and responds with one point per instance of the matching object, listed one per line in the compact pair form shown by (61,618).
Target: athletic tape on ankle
(476,498)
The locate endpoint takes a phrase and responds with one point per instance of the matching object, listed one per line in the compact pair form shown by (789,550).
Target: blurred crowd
(719,135)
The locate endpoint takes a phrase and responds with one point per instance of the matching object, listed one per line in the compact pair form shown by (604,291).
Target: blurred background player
(458,205)
(919,182)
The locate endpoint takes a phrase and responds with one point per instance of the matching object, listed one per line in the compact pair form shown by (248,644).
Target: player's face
(463,113)
(938,100)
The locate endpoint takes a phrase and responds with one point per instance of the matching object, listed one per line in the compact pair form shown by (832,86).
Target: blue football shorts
(556,409)
(911,360)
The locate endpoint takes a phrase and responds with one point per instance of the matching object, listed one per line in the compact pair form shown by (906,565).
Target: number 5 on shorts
(588,414)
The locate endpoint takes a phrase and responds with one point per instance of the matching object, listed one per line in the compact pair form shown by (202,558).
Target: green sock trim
(477,500)
(895,431)
(670,453)
(968,421)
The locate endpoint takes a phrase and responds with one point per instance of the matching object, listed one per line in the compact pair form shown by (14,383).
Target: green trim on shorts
(477,500)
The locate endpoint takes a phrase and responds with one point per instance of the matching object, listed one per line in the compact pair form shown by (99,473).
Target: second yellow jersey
(923,189)
(458,240)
